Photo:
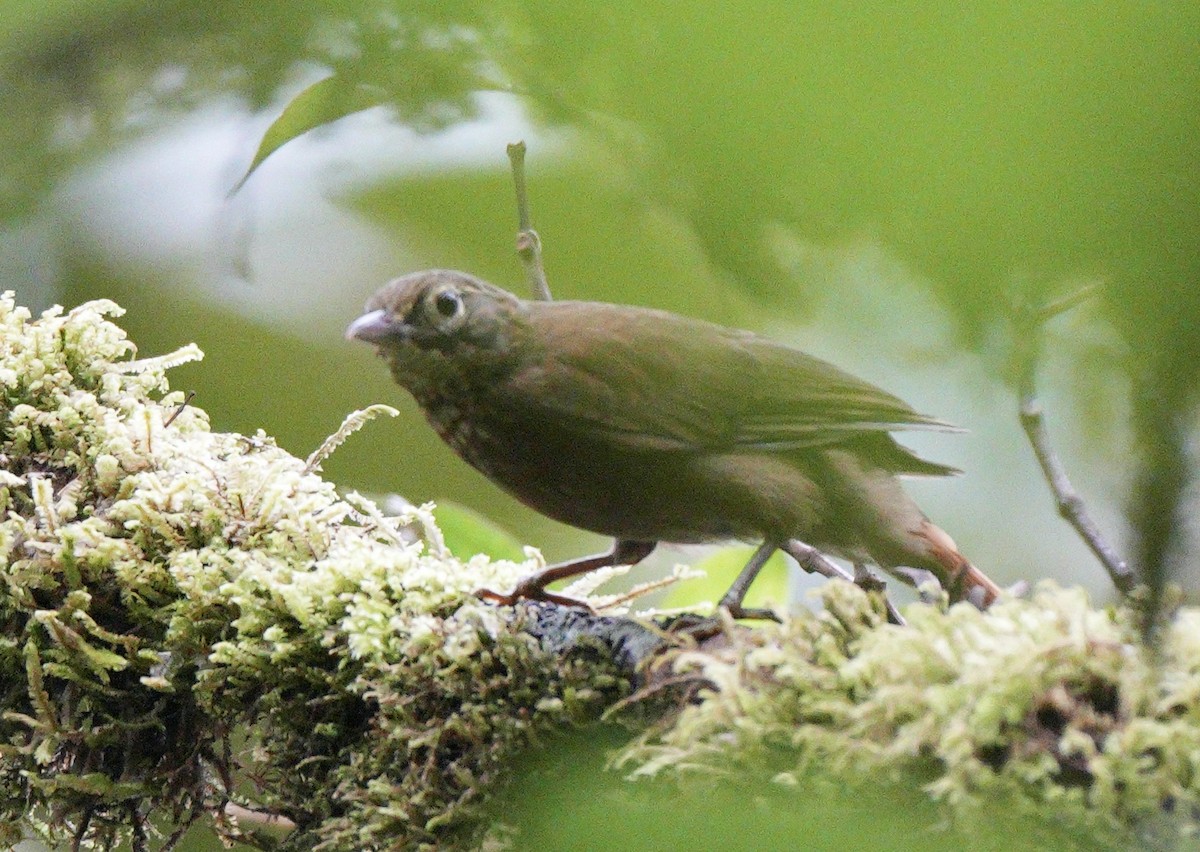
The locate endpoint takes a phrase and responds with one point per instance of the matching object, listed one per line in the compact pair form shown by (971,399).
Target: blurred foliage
(1033,139)
(468,532)
(563,798)
(998,153)
(112,71)
(720,569)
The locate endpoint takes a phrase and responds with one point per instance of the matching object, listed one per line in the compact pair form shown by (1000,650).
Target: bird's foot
(697,627)
(531,588)
(737,611)
(703,627)
(731,602)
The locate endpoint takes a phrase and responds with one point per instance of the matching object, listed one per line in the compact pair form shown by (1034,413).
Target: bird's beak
(376,327)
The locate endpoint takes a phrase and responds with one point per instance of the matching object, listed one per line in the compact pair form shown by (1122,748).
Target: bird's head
(439,324)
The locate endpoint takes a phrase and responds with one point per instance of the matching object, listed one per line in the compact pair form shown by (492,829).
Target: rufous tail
(962,580)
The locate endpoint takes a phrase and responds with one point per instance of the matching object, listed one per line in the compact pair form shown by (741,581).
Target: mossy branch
(196,625)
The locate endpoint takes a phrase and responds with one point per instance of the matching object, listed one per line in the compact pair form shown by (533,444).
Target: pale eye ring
(448,304)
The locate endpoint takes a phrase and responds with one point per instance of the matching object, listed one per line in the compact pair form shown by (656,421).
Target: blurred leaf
(323,102)
(468,532)
(22,21)
(566,796)
(769,590)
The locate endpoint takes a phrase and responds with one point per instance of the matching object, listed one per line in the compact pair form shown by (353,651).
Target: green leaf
(769,590)
(321,103)
(467,532)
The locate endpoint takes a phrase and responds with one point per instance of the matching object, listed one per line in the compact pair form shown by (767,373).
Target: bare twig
(1029,323)
(190,396)
(1044,314)
(529,244)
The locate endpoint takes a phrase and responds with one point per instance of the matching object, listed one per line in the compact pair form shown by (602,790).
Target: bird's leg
(865,579)
(533,586)
(811,560)
(732,599)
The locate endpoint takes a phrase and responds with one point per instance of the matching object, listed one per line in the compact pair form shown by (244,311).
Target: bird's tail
(961,579)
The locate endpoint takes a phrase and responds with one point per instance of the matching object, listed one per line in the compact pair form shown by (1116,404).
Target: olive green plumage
(649,426)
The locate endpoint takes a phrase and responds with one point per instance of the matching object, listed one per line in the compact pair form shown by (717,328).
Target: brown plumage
(649,426)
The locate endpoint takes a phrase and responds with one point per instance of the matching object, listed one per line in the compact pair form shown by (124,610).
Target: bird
(650,427)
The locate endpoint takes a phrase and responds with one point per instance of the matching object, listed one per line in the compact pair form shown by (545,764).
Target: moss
(1043,706)
(190,617)
(184,611)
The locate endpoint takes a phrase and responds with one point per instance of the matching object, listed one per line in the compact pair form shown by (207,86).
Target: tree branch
(1029,324)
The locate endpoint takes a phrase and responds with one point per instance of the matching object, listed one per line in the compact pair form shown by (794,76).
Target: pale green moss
(182,611)
(1044,703)
(163,585)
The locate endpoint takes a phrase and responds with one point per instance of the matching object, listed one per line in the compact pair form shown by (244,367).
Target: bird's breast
(588,478)
(529,457)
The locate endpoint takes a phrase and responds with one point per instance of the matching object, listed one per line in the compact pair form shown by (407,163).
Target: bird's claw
(698,627)
(737,611)
(530,590)
(702,627)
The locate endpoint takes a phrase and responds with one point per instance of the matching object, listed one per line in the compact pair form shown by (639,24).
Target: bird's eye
(448,303)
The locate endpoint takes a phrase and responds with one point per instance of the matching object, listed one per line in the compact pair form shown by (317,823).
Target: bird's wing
(658,380)
(796,400)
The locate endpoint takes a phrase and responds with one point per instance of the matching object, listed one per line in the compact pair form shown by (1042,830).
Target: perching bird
(649,426)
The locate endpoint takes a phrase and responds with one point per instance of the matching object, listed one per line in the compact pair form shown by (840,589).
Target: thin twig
(529,244)
(1049,311)
(190,396)
(1029,324)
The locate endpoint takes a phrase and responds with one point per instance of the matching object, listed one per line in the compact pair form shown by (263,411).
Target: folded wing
(658,380)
